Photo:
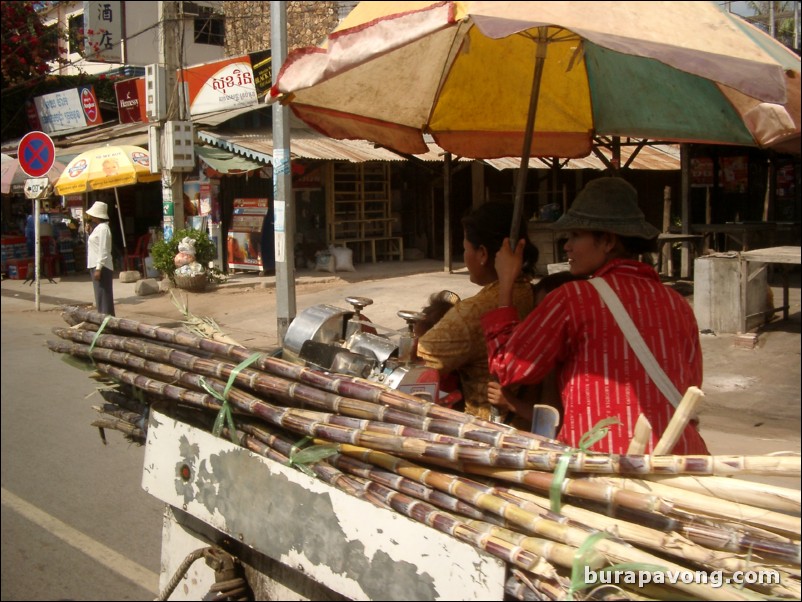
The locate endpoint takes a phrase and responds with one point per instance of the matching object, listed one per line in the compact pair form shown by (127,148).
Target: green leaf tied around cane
(588,440)
(300,457)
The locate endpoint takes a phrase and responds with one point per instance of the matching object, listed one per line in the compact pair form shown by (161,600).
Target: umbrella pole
(520,185)
(122,230)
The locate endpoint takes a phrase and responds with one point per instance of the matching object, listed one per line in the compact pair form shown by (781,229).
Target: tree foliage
(27,44)
(783,20)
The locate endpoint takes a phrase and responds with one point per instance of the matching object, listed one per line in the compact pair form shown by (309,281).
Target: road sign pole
(37,252)
(35,190)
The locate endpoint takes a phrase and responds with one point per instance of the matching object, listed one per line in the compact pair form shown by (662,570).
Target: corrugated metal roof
(657,157)
(306,144)
(309,144)
(118,134)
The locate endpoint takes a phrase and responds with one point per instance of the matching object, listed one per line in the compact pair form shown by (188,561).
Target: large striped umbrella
(521,79)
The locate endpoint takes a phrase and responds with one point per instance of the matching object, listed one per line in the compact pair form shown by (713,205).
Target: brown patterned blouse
(457,343)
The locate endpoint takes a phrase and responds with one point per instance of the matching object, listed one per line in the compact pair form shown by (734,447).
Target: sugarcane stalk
(118,424)
(342,385)
(387,436)
(760,495)
(580,462)
(556,553)
(504,457)
(646,508)
(323,471)
(540,460)
(284,447)
(429,515)
(175,375)
(482,497)
(292,392)
(674,544)
(543,481)
(526,585)
(121,414)
(425,513)
(684,412)
(640,437)
(708,505)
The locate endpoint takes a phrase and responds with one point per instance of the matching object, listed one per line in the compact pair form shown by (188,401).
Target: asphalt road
(76,524)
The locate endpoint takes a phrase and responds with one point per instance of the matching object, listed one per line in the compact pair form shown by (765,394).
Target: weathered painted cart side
(296,537)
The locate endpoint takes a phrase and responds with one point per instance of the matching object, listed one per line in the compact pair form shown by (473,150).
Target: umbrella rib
(460,34)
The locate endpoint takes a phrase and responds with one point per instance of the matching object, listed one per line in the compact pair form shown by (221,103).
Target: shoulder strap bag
(657,374)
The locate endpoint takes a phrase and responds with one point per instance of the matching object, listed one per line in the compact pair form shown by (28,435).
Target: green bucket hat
(607,205)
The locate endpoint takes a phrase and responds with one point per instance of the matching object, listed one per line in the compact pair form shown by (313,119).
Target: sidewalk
(76,289)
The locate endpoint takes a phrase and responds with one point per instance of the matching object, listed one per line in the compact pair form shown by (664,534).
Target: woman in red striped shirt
(599,375)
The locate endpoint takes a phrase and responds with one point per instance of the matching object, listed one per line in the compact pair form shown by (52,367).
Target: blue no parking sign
(36,154)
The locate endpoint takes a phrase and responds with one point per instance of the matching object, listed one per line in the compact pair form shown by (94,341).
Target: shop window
(210,30)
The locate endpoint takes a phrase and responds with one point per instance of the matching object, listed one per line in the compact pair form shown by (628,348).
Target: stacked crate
(14,252)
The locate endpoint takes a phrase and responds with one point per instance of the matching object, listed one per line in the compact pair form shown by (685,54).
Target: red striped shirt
(599,375)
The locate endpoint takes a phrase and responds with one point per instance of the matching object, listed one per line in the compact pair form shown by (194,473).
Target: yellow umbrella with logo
(106,167)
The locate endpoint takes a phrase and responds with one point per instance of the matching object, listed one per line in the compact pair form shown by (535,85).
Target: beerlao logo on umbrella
(78,168)
(140,159)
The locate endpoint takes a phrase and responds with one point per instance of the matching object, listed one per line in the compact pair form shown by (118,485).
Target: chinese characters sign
(103,28)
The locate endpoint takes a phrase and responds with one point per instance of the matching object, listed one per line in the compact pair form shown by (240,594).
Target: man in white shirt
(98,257)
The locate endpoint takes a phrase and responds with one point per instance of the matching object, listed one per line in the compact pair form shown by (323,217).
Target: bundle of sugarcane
(487,484)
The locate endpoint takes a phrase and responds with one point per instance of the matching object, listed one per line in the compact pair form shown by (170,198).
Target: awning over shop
(306,144)
(650,157)
(226,162)
(118,134)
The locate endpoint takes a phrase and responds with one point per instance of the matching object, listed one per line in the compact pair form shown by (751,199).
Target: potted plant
(164,253)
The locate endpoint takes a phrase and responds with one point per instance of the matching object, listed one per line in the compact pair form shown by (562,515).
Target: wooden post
(685,255)
(665,268)
(708,217)
(768,205)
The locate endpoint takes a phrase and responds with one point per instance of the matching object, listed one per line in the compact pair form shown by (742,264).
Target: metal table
(785,256)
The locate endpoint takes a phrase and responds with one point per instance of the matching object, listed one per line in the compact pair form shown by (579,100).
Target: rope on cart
(229,585)
(180,572)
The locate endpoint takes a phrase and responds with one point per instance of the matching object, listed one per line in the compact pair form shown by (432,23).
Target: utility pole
(283,207)
(170,51)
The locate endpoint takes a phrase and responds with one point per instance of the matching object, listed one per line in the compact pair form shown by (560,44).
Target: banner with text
(68,110)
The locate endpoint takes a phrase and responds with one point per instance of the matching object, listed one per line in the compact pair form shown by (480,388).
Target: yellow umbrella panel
(106,167)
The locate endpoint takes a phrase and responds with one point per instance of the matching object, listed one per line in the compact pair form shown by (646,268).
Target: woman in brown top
(456,343)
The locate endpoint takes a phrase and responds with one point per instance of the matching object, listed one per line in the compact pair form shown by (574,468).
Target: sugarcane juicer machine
(346,342)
